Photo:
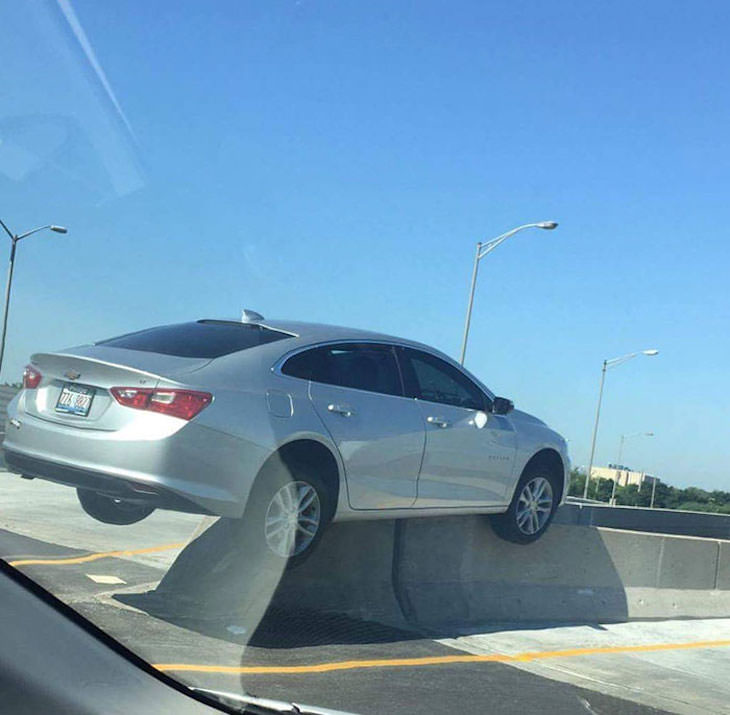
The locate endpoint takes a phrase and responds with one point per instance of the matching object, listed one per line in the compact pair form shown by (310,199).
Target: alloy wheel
(292,519)
(534,505)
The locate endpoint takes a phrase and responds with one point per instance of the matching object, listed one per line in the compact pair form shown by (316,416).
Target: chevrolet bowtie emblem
(71,375)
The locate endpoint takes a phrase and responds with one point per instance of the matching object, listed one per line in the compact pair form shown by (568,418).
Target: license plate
(75,400)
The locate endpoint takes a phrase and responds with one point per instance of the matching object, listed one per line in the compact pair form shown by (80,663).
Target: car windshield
(417,400)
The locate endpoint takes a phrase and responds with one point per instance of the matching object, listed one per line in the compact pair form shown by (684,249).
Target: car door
(467,461)
(357,391)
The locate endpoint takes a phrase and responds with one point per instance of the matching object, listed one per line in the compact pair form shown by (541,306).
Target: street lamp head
(648,434)
(549,225)
(58,229)
(650,353)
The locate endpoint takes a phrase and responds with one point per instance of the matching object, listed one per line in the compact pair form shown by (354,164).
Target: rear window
(201,339)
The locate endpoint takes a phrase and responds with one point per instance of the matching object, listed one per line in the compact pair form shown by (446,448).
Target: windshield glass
(465,449)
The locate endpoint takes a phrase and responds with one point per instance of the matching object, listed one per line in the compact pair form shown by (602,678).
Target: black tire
(109,510)
(507,526)
(274,477)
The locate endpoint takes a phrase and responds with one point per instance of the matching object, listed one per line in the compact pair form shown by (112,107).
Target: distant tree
(697,506)
(577,483)
(628,495)
(720,497)
(694,494)
(665,495)
(602,489)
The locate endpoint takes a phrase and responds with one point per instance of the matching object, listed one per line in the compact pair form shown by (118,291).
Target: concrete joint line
(401,595)
(660,560)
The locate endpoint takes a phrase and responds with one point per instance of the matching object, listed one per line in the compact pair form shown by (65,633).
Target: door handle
(438,421)
(343,410)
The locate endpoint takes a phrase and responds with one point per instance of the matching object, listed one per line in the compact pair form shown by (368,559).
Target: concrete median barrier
(445,573)
(477,578)
(352,572)
(658,521)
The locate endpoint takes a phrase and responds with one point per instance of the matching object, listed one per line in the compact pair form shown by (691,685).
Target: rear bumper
(157,496)
(189,468)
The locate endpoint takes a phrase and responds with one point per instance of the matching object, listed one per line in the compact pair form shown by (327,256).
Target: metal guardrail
(581,500)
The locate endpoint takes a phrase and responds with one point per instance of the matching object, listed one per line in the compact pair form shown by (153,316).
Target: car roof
(305,333)
(308,333)
(320,332)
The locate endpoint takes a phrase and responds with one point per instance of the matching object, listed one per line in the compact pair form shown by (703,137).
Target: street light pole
(11,265)
(624,437)
(482,250)
(595,430)
(471,302)
(612,500)
(620,449)
(612,362)
(14,238)
(619,466)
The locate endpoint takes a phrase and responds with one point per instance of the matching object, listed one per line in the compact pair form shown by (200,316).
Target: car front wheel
(109,510)
(532,509)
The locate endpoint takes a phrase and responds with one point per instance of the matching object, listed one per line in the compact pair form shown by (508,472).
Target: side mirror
(502,406)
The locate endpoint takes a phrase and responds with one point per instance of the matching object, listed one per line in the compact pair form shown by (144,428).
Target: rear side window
(360,366)
(201,339)
(308,365)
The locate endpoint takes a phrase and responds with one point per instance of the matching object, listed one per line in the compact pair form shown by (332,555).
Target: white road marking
(686,682)
(100,578)
(51,512)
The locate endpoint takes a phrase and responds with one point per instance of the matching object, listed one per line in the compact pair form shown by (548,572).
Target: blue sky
(337,161)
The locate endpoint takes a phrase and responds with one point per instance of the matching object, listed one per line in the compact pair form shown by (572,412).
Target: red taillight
(184,404)
(132,397)
(31,378)
(179,403)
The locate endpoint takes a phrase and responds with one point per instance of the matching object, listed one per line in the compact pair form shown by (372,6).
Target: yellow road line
(96,556)
(432,660)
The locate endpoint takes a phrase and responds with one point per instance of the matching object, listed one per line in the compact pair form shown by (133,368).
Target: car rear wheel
(109,510)
(288,510)
(532,509)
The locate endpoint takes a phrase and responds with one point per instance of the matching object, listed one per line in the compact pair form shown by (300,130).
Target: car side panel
(380,442)
(534,436)
(464,465)
(261,419)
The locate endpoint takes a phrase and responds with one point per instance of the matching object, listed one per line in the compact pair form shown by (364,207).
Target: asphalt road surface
(109,574)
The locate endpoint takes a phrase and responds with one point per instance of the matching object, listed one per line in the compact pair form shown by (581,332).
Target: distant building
(622,475)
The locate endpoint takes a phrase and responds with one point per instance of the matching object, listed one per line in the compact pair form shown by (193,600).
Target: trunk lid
(92,370)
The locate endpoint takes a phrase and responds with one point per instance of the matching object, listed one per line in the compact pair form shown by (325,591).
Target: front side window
(360,366)
(429,378)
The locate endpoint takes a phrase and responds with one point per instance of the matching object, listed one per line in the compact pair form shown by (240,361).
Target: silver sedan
(287,425)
